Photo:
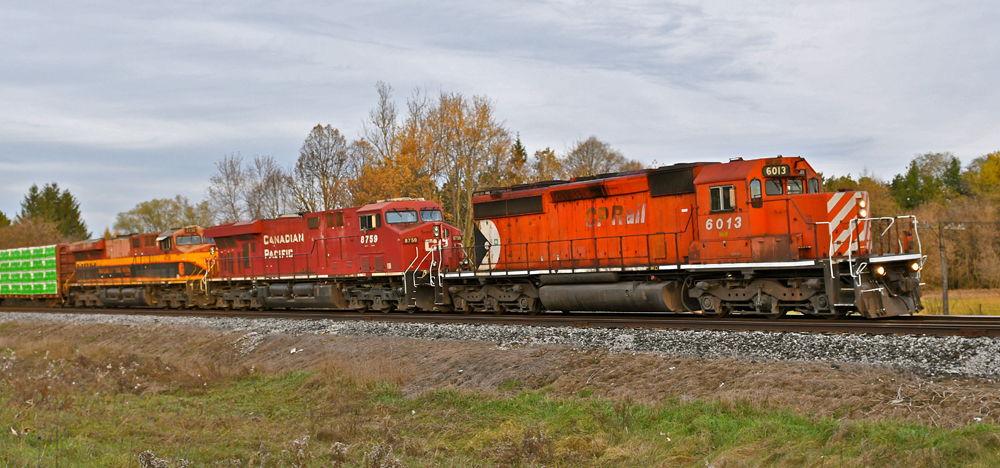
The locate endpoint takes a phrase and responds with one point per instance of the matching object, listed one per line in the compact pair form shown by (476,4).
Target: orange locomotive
(151,270)
(747,236)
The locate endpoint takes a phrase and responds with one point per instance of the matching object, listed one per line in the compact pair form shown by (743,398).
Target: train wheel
(839,314)
(776,313)
(491,304)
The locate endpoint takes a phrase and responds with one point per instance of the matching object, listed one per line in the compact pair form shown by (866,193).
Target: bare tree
(593,156)
(267,191)
(227,189)
(379,131)
(322,173)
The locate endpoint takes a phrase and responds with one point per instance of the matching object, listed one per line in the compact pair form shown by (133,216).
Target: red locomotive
(383,256)
(753,237)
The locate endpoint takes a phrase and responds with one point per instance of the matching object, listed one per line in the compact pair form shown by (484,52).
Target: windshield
(397,217)
(430,215)
(188,240)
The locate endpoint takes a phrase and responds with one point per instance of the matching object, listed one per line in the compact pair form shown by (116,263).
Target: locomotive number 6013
(728,223)
(780,170)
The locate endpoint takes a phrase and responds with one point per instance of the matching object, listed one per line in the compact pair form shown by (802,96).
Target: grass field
(963,302)
(262,421)
(101,396)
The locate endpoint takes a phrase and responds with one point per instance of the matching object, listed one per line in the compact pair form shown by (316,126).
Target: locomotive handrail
(551,262)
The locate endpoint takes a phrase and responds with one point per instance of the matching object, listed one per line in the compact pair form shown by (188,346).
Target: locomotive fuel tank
(624,296)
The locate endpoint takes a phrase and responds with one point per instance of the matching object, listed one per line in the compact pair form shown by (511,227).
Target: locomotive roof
(742,169)
(235,229)
(525,189)
(414,203)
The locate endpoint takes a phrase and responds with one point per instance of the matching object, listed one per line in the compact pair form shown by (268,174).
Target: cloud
(126,102)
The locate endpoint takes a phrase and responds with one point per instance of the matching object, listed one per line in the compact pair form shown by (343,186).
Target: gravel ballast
(928,355)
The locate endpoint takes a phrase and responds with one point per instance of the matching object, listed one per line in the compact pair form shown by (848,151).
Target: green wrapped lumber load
(29,271)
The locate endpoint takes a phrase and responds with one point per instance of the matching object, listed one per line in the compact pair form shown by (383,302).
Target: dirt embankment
(159,358)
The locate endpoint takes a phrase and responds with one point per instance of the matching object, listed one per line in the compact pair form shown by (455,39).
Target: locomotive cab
(411,232)
(762,215)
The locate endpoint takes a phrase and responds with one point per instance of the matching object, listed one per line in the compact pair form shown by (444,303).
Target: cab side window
(756,197)
(723,198)
(794,186)
(371,221)
(814,185)
(773,187)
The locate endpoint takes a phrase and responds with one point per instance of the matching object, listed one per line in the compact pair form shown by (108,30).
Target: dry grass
(963,302)
(191,394)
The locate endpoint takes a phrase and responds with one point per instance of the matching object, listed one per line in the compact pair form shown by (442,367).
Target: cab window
(755,189)
(166,244)
(188,240)
(371,221)
(814,185)
(794,186)
(773,187)
(400,217)
(723,198)
(431,215)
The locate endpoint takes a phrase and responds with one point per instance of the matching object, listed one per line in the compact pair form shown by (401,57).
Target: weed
(381,456)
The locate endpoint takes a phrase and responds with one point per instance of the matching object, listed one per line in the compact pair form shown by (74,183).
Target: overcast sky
(122,102)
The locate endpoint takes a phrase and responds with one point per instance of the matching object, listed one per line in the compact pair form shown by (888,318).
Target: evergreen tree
(4,220)
(952,178)
(519,158)
(56,206)
(916,187)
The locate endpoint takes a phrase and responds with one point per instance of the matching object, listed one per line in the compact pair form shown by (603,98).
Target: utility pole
(944,270)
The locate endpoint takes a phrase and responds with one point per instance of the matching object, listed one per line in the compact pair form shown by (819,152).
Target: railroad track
(954,325)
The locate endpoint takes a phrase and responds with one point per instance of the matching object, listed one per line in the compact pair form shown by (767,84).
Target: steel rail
(953,325)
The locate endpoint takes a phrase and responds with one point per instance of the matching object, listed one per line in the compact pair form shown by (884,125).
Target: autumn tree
(57,206)
(160,214)
(4,220)
(983,177)
(30,232)
(592,156)
(321,175)
(474,148)
(879,191)
(395,159)
(545,165)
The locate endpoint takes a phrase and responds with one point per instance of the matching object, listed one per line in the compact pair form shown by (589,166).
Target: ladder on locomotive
(434,275)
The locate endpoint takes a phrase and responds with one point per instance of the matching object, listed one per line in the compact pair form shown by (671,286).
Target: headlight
(915,266)
(863,212)
(863,203)
(437,230)
(880,270)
